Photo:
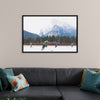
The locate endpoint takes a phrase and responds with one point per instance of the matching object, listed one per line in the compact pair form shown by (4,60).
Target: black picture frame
(50,16)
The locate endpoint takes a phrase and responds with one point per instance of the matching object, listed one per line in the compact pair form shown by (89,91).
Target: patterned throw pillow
(18,82)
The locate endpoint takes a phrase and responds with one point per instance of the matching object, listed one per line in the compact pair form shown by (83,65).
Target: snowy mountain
(60,30)
(56,30)
(30,35)
(41,34)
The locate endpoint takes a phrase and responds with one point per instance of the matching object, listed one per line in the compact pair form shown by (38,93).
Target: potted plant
(9,97)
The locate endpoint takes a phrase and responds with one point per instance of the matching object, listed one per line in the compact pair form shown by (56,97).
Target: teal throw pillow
(1,89)
(4,80)
(91,81)
(9,71)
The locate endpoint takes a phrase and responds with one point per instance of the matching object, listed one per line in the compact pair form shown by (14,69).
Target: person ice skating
(56,45)
(72,44)
(30,44)
(45,43)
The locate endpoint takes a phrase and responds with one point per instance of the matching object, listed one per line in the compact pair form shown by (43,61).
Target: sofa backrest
(38,76)
(51,76)
(69,76)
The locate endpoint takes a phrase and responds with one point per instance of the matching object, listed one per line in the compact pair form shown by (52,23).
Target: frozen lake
(49,49)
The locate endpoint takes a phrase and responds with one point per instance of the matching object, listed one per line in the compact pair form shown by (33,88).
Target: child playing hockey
(72,44)
(45,43)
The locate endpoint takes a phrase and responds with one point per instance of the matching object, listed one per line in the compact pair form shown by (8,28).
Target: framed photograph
(49,33)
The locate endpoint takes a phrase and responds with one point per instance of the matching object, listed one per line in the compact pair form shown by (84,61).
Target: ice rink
(49,49)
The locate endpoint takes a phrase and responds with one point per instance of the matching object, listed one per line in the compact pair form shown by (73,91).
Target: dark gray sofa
(52,84)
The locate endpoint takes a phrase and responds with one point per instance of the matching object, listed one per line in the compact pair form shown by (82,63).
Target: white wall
(88,12)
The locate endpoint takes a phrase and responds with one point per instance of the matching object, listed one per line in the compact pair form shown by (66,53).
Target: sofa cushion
(69,76)
(74,93)
(36,93)
(38,76)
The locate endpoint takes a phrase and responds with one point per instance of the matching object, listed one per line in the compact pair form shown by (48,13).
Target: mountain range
(61,31)
(56,30)
(29,35)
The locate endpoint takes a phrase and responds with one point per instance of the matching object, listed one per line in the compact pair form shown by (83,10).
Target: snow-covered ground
(49,49)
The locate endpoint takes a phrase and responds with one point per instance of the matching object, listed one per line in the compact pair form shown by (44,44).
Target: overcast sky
(37,24)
